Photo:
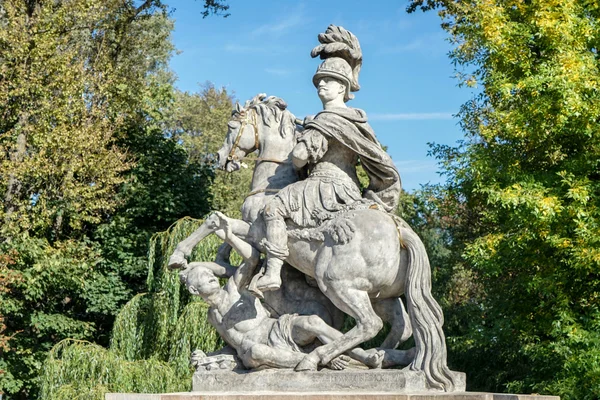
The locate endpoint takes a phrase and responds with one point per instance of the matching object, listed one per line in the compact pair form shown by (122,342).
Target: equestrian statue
(306,212)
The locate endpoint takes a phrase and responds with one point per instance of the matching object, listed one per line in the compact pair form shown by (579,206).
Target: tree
(152,339)
(87,173)
(525,190)
(199,121)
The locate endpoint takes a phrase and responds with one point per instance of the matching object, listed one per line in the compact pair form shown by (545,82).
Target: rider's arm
(312,145)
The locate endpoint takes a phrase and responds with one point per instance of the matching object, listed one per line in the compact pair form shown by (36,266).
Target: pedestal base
(276,384)
(326,396)
(346,381)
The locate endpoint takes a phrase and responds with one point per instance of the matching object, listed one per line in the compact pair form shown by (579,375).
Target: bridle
(251,118)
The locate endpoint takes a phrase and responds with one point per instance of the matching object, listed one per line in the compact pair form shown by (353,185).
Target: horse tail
(426,317)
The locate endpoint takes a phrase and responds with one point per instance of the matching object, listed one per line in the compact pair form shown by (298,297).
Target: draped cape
(349,126)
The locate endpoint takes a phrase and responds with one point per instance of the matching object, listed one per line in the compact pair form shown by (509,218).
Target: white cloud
(410,116)
(293,19)
(278,71)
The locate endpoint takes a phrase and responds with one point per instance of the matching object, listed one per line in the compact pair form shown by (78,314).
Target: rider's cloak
(349,126)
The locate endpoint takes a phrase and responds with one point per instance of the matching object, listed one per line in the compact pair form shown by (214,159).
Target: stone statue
(245,324)
(361,256)
(331,144)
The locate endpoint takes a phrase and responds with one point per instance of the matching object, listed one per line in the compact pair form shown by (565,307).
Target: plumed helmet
(337,68)
(343,57)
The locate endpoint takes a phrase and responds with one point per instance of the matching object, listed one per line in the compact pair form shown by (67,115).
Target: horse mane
(271,109)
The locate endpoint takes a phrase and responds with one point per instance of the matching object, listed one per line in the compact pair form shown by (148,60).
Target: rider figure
(331,145)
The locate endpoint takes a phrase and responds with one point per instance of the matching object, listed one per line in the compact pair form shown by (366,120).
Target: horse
(273,171)
(363,260)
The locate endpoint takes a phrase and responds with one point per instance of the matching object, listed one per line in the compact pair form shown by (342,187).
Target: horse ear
(281,104)
(238,108)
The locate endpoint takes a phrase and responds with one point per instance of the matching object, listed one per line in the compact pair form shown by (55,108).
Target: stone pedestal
(347,381)
(322,385)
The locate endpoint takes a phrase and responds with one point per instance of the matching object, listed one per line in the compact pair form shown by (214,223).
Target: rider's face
(330,88)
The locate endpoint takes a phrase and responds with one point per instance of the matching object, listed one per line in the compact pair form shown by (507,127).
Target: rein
(251,119)
(261,159)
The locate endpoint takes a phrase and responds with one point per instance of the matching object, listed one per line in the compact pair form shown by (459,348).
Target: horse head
(250,127)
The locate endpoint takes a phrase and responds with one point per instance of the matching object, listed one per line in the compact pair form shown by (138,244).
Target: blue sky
(407,84)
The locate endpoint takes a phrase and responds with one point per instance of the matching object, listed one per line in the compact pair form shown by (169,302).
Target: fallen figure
(242,321)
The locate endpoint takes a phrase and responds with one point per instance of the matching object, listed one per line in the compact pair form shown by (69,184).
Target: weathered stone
(362,256)
(350,381)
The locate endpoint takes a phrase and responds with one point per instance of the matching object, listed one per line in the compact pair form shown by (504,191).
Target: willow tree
(152,338)
(524,190)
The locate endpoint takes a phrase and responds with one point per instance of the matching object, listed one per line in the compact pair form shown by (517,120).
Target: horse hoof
(177,261)
(375,359)
(307,364)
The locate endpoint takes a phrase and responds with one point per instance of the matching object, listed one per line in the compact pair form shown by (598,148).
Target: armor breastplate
(338,162)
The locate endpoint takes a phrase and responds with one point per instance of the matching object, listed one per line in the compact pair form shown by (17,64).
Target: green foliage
(88,174)
(523,194)
(152,339)
(83,370)
(199,121)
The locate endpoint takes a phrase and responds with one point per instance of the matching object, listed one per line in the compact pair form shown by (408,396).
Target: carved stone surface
(217,363)
(305,209)
(349,381)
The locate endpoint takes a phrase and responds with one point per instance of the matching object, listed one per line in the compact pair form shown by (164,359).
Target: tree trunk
(14,184)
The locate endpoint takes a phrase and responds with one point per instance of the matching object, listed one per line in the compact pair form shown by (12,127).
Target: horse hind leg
(392,311)
(357,304)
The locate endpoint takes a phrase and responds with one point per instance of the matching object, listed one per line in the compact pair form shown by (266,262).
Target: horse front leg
(211,224)
(355,303)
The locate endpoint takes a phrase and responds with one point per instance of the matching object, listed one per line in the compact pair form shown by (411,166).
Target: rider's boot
(271,280)
(276,246)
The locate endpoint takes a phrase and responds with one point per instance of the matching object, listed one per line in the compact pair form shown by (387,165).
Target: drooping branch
(215,7)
